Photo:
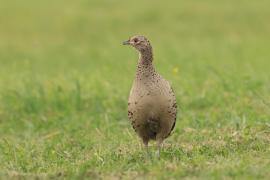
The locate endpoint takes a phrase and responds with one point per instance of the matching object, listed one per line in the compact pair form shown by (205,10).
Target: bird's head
(138,42)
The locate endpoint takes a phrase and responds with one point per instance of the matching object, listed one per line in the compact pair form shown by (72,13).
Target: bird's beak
(126,42)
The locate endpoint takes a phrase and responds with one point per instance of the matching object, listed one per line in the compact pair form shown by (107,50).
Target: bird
(152,107)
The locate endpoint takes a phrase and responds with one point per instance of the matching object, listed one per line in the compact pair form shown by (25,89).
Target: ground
(65,79)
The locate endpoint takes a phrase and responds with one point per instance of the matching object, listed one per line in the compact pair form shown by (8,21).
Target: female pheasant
(152,105)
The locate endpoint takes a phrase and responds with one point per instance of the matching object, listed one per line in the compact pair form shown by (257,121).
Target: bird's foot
(148,155)
(158,154)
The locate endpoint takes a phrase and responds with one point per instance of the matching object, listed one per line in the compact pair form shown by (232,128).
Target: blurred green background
(65,79)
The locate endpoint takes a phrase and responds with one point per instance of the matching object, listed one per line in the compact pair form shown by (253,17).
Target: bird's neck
(146,55)
(145,66)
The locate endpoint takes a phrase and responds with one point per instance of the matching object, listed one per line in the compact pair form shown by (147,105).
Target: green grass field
(65,79)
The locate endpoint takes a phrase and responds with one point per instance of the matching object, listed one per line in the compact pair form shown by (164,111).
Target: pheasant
(152,104)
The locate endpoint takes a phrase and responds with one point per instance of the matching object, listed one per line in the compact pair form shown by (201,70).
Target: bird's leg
(145,142)
(159,143)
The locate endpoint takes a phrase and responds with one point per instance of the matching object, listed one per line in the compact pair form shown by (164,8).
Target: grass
(65,80)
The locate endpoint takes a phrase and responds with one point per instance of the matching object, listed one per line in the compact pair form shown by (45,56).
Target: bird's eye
(135,40)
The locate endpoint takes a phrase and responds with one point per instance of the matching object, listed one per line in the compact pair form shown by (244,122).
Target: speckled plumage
(152,105)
